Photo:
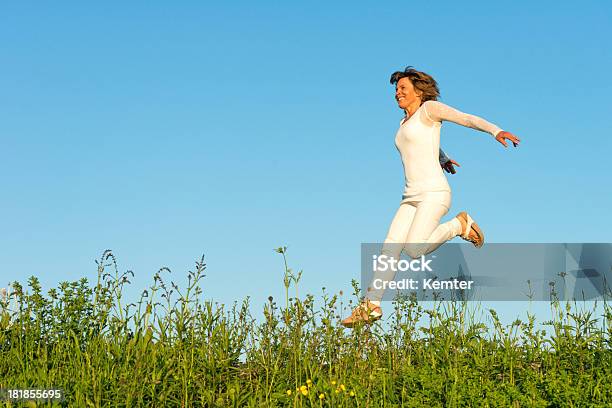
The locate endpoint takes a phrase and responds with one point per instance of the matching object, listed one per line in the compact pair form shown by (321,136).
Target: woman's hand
(449,166)
(503,135)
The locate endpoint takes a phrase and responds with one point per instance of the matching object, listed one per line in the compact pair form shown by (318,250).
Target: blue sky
(166,131)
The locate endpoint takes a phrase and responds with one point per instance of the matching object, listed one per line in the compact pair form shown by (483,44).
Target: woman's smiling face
(405,94)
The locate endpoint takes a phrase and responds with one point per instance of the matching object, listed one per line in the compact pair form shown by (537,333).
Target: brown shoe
(367,312)
(471,232)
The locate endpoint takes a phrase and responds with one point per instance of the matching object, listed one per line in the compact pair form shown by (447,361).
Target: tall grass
(170,348)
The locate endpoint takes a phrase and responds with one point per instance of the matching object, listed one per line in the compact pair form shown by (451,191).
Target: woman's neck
(412,108)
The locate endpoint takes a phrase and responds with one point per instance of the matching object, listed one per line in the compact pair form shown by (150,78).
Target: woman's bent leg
(426,233)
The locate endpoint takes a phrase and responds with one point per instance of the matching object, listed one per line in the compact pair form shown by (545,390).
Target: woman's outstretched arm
(437,112)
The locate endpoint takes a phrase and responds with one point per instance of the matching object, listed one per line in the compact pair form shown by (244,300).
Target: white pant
(417,230)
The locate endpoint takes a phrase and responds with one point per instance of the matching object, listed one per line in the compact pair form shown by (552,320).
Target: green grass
(172,349)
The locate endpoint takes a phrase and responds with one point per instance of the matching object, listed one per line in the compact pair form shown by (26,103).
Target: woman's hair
(421,81)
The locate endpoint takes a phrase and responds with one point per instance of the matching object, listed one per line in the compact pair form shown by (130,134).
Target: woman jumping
(416,226)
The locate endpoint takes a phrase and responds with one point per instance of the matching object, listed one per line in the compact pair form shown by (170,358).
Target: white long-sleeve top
(418,142)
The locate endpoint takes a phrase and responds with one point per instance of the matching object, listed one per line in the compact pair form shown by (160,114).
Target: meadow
(172,349)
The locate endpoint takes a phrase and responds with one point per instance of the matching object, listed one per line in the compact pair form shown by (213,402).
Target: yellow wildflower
(304,392)
(321,396)
(309,382)
(342,387)
(303,388)
(352,394)
(333,382)
(288,392)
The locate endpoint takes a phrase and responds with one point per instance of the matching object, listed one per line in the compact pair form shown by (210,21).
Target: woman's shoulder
(433,111)
(430,105)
